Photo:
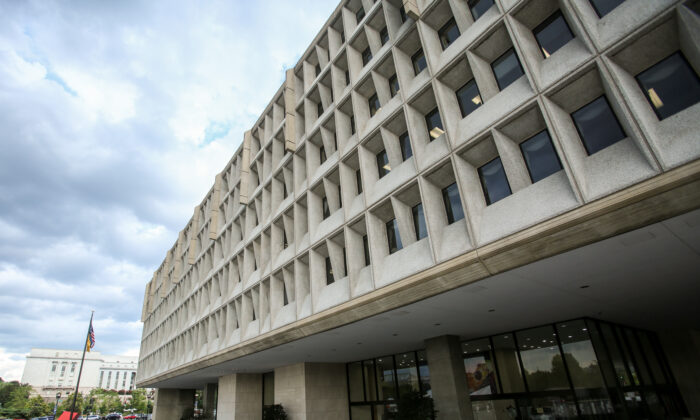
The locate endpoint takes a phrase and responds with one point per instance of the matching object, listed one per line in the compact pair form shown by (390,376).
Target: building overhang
(637,251)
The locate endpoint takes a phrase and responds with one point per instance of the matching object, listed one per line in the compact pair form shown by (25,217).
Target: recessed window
(352,125)
(335,142)
(319,108)
(322,154)
(405,143)
(479,7)
(419,221)
(358,179)
(326,209)
(597,125)
(284,190)
(453,206)
(507,69)
(603,7)
(494,181)
(342,36)
(418,60)
(540,157)
(285,243)
(340,197)
(330,279)
(347,77)
(365,245)
(552,34)
(285,299)
(384,35)
(345,262)
(394,85)
(383,163)
(434,123)
(393,236)
(318,69)
(670,85)
(374,105)
(468,97)
(402,13)
(366,56)
(448,33)
(360,14)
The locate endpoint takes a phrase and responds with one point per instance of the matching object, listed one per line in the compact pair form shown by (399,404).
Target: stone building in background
(493,203)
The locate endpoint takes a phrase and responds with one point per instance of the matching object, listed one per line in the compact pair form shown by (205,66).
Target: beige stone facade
(288,265)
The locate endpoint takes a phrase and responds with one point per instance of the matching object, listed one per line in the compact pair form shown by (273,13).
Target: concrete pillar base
(240,397)
(312,391)
(171,403)
(447,378)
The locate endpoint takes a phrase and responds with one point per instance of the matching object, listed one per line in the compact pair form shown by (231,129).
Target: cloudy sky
(115,117)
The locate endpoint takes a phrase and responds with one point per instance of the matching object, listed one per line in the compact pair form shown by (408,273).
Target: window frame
(415,58)
(459,102)
(405,145)
(578,130)
(394,86)
(556,155)
(381,165)
(449,211)
(483,184)
(418,212)
(499,59)
(444,30)
(393,232)
(544,24)
(431,113)
(366,56)
(374,105)
(330,276)
(384,35)
(325,208)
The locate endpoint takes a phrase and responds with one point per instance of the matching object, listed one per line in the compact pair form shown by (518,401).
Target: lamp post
(55,407)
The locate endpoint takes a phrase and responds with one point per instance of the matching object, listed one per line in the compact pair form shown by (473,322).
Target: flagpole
(80,372)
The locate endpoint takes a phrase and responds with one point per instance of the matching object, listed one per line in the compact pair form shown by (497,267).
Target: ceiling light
(546,54)
(477,99)
(436,132)
(658,103)
(387,167)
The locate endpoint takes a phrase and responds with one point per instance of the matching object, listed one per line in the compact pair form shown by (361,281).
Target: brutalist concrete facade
(249,275)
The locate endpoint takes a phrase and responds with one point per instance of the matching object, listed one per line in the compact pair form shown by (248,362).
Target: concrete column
(209,398)
(171,403)
(448,380)
(240,397)
(312,391)
(682,348)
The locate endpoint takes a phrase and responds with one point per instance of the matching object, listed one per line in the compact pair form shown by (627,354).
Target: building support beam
(209,398)
(171,403)
(447,379)
(312,391)
(682,348)
(240,397)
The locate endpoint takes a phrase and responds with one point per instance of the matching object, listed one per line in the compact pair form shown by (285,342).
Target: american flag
(90,338)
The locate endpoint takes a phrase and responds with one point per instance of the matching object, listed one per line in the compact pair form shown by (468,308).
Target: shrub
(274,412)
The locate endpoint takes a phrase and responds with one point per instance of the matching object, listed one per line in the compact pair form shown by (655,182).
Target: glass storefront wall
(375,385)
(583,368)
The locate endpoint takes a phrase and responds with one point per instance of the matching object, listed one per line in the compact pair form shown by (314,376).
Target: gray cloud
(114,119)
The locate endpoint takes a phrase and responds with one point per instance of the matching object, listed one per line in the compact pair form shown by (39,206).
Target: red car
(130,416)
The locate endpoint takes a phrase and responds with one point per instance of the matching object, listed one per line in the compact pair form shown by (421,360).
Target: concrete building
(50,371)
(490,202)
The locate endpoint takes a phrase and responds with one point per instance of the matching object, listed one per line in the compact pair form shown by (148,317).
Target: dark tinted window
(507,69)
(392,234)
(405,143)
(468,97)
(358,178)
(322,154)
(365,245)
(285,243)
(479,7)
(448,33)
(494,181)
(318,69)
(418,60)
(419,221)
(383,163)
(597,125)
(670,85)
(402,12)
(384,35)
(285,299)
(540,157)
(434,123)
(373,105)
(326,209)
(284,190)
(394,85)
(453,206)
(319,108)
(603,7)
(347,77)
(329,272)
(552,34)
(366,56)
(352,125)
(360,14)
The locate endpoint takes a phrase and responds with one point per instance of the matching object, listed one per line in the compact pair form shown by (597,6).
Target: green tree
(36,406)
(138,401)
(67,403)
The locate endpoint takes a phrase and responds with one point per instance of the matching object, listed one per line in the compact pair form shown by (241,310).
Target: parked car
(93,417)
(114,416)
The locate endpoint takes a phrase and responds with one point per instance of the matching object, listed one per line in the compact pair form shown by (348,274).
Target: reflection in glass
(597,125)
(393,235)
(540,157)
(552,34)
(508,364)
(453,205)
(424,372)
(370,381)
(385,378)
(478,365)
(479,7)
(468,97)
(542,361)
(603,7)
(507,69)
(418,60)
(494,181)
(407,372)
(405,143)
(448,33)
(670,85)
(419,221)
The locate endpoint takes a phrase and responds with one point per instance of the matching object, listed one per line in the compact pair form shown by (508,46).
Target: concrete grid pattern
(256,254)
